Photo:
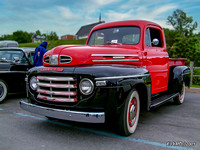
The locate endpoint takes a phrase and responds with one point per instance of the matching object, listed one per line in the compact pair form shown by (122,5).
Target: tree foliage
(182,23)
(22,37)
(52,36)
(25,37)
(182,42)
(38,32)
(6,37)
(186,47)
(170,40)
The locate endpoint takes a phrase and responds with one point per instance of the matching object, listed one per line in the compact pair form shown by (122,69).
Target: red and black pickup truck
(123,68)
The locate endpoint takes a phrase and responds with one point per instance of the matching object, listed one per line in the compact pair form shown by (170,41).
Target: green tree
(6,37)
(22,37)
(182,23)
(170,39)
(52,36)
(185,42)
(38,32)
(186,47)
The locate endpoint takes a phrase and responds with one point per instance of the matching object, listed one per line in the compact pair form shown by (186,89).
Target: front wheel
(129,116)
(3,90)
(180,98)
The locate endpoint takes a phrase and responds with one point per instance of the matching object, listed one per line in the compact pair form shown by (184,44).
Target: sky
(67,16)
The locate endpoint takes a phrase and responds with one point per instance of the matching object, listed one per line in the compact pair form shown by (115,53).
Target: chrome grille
(64,59)
(46,59)
(57,89)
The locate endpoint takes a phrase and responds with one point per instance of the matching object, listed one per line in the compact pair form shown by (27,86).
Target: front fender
(124,78)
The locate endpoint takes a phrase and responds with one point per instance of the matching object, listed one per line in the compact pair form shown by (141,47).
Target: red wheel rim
(132,112)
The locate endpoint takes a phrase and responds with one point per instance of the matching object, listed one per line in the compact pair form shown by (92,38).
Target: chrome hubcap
(132,112)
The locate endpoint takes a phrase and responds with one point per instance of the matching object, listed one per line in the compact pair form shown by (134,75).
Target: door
(156,59)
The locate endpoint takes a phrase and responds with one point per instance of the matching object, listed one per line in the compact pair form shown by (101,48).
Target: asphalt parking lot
(167,127)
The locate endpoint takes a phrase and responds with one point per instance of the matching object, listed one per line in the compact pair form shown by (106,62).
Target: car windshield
(115,35)
(12,55)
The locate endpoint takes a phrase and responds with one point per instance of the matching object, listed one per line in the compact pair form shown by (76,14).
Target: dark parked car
(14,63)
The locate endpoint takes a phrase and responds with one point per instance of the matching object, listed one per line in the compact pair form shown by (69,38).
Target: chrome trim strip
(56,99)
(118,57)
(56,85)
(119,77)
(45,61)
(116,60)
(70,58)
(114,55)
(63,93)
(90,117)
(56,78)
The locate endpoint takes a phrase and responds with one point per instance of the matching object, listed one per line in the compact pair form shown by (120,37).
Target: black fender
(177,76)
(124,78)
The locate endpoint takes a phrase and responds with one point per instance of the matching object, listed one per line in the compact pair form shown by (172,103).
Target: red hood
(83,54)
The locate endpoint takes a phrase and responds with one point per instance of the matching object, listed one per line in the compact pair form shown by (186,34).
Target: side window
(151,34)
(147,38)
(155,34)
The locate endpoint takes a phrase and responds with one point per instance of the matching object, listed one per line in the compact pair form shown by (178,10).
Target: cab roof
(140,23)
(25,49)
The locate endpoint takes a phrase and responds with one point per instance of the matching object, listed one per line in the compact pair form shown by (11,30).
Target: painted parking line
(105,133)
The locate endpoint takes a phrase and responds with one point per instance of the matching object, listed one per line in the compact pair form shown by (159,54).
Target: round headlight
(33,83)
(86,86)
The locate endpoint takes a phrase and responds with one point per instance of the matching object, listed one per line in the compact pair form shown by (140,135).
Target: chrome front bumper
(90,117)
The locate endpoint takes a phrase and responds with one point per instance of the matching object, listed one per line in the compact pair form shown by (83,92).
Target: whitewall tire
(129,116)
(180,98)
(3,90)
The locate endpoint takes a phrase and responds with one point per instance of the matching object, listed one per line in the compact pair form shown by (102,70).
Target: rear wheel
(129,116)
(180,98)
(3,90)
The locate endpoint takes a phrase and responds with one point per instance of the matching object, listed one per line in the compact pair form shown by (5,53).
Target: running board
(163,99)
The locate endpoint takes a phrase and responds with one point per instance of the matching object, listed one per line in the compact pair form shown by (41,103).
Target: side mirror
(155,42)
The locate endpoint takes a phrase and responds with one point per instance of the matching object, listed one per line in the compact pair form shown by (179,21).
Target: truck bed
(177,61)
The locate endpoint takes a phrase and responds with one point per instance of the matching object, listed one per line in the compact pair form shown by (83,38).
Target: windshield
(115,35)
(12,55)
